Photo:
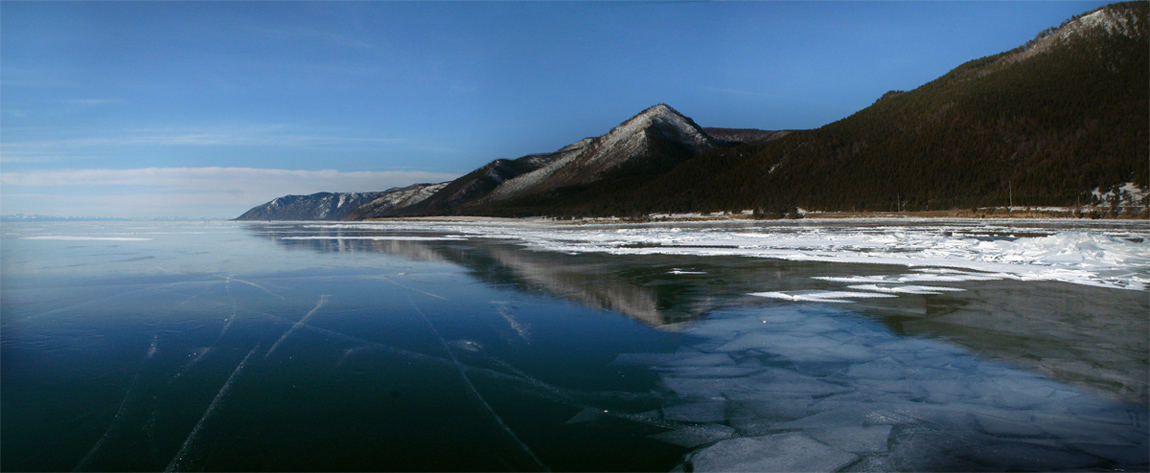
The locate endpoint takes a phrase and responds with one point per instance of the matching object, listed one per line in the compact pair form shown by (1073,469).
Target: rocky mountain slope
(1060,121)
(320,206)
(647,145)
(651,142)
(450,197)
(396,198)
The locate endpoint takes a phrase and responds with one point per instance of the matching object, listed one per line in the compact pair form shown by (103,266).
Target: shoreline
(1017,213)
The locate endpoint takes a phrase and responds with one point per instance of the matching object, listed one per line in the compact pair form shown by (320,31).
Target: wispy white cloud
(268,135)
(204,178)
(181,192)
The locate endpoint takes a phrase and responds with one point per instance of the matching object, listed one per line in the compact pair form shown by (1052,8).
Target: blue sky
(205,109)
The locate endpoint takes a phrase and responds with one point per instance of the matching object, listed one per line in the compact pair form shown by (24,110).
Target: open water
(417,346)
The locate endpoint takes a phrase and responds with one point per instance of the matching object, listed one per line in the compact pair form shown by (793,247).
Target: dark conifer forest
(1042,125)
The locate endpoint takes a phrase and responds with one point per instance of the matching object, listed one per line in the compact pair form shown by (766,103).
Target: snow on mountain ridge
(1115,23)
(1111,20)
(408,195)
(395,197)
(626,144)
(630,136)
(318,206)
(513,187)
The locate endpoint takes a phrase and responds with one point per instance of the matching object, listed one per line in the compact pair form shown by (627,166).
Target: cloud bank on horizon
(207,192)
(154,109)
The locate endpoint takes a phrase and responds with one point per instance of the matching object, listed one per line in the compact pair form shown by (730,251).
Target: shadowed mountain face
(739,136)
(1050,123)
(321,206)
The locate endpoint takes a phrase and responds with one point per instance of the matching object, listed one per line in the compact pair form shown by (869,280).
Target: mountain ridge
(649,143)
(623,148)
(394,198)
(1059,120)
(1050,130)
(318,206)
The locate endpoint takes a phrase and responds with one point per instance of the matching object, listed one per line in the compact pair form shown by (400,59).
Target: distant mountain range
(321,206)
(1057,121)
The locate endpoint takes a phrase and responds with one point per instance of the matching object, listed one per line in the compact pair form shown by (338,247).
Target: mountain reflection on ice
(1106,254)
(819,390)
(814,389)
(297,346)
(1090,337)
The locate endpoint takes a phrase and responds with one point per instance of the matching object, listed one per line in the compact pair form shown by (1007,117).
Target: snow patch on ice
(906,289)
(1073,252)
(378,238)
(821,296)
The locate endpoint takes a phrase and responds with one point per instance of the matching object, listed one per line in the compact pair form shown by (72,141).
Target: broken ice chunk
(701,412)
(886,369)
(777,407)
(753,340)
(1018,425)
(714,371)
(1013,455)
(1123,454)
(839,418)
(782,452)
(696,435)
(713,359)
(589,414)
(854,439)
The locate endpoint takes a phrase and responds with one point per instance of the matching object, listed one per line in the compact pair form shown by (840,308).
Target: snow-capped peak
(628,144)
(658,110)
(630,136)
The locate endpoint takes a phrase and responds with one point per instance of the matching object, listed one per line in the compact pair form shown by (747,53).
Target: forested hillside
(1044,124)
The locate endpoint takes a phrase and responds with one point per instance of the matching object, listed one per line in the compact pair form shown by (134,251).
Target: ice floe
(793,451)
(818,388)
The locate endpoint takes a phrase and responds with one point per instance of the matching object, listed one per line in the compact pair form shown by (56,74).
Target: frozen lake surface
(780,346)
